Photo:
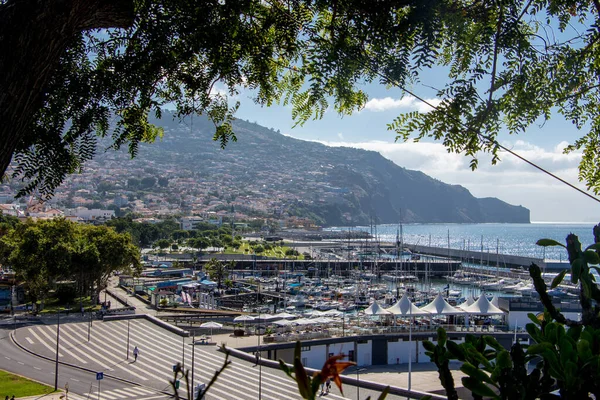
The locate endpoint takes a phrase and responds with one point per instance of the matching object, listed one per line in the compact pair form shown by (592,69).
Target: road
(82,384)
(149,375)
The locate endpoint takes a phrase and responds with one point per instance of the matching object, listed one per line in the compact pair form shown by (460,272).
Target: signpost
(99,377)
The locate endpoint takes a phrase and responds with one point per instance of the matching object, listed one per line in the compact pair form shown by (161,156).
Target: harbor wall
(485,258)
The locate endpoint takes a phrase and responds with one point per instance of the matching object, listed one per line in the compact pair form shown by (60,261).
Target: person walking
(135,353)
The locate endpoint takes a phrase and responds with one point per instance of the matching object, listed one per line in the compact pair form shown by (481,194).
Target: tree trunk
(34,34)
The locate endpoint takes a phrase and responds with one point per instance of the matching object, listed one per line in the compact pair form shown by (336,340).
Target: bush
(66,293)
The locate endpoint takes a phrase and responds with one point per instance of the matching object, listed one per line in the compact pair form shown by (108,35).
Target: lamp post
(57,343)
(358,381)
(127,349)
(258,358)
(193,353)
(410,347)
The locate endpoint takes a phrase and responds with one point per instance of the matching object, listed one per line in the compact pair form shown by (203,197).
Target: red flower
(332,369)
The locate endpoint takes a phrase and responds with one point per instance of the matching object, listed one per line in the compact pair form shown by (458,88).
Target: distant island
(266,175)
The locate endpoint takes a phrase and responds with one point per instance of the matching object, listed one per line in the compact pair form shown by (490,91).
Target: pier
(478,257)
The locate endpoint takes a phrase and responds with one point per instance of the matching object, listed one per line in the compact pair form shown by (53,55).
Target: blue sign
(99,376)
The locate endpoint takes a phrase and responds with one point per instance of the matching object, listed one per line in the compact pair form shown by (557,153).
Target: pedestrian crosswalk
(131,393)
(110,351)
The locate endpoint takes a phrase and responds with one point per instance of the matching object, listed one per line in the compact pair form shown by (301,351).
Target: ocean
(511,239)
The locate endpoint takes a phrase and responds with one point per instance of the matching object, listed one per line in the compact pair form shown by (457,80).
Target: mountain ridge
(332,185)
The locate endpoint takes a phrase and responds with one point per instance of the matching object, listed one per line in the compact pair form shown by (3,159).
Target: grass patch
(18,386)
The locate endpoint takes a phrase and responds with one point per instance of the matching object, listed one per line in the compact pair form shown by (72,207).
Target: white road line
(114,362)
(238,374)
(163,368)
(136,390)
(103,395)
(121,392)
(86,352)
(43,342)
(66,350)
(39,369)
(29,340)
(268,389)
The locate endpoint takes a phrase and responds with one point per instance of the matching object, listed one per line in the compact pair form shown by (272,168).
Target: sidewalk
(140,306)
(424,376)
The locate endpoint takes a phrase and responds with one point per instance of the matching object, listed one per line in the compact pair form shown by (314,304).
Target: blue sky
(511,180)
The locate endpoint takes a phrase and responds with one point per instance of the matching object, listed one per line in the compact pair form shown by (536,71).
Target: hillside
(335,186)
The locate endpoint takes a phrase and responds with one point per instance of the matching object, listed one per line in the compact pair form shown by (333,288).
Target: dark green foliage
(566,360)
(66,293)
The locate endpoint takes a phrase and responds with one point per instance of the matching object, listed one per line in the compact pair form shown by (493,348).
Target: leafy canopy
(510,63)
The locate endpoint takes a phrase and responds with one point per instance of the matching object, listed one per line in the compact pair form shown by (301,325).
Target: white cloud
(407,102)
(340,135)
(511,180)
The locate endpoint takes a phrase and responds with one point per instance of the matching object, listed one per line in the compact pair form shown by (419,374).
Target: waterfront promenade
(111,342)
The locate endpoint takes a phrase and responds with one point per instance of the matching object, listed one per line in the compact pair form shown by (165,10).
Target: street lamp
(358,381)
(57,342)
(127,349)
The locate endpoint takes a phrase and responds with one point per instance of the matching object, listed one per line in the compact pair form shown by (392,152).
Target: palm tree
(217,270)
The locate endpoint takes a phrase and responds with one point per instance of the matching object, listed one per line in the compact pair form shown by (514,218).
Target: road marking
(102,349)
(52,351)
(19,362)
(29,340)
(86,352)
(66,342)
(76,380)
(103,395)
(137,391)
(39,369)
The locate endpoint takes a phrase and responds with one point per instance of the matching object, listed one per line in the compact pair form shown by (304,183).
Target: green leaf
(587,290)
(479,387)
(456,350)
(286,369)
(558,278)
(493,343)
(576,268)
(504,360)
(475,372)
(591,257)
(384,394)
(549,242)
(534,319)
(441,337)
(595,246)
(298,350)
(302,378)
(429,346)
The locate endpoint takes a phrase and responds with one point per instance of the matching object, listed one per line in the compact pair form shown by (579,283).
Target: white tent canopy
(483,307)
(470,300)
(439,306)
(376,309)
(283,322)
(211,325)
(243,318)
(405,307)
(305,321)
(284,315)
